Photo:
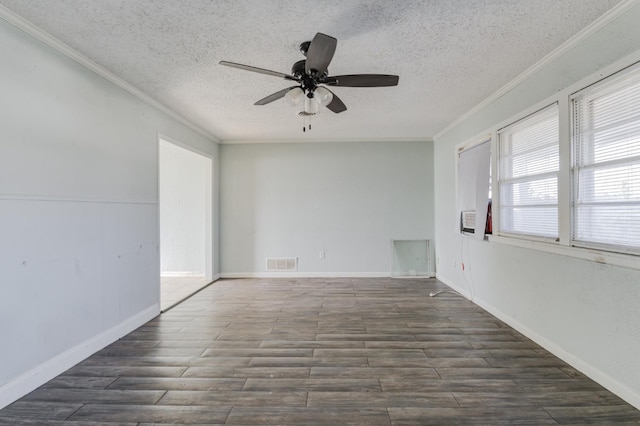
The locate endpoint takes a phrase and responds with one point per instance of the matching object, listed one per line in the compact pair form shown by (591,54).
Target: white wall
(585,312)
(78,211)
(346,199)
(185,208)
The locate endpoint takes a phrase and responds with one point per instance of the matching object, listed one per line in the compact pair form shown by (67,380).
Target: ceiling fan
(312,77)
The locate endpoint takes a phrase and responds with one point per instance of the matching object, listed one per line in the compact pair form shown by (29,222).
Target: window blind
(606,163)
(528,175)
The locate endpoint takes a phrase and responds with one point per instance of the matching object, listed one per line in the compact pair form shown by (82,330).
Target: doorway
(186,222)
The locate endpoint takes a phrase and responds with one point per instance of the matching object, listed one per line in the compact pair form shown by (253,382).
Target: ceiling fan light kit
(294,96)
(323,96)
(312,76)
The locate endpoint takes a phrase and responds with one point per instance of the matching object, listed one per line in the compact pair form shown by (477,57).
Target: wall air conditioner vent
(468,221)
(275,264)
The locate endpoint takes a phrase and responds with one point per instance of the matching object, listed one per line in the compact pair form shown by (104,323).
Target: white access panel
(411,258)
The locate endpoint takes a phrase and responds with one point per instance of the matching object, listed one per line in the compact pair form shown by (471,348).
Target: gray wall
(584,311)
(346,199)
(78,211)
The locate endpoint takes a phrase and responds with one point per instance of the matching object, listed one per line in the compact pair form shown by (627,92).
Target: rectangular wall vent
(468,221)
(275,264)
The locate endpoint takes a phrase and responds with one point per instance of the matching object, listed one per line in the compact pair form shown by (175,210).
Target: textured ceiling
(450,55)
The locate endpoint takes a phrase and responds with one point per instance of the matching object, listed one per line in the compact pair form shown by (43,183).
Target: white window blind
(606,163)
(528,175)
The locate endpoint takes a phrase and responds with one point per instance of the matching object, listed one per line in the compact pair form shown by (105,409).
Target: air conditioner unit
(468,221)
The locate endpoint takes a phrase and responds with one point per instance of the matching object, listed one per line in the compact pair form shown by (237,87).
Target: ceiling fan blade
(275,96)
(320,54)
(336,105)
(259,70)
(363,80)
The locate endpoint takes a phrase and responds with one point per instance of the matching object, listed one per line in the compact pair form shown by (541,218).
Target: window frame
(500,181)
(485,138)
(608,80)
(563,245)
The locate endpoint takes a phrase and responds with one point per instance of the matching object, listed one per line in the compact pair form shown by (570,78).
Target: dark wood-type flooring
(322,351)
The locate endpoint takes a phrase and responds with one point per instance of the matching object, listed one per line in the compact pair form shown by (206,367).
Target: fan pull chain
(304,123)
(306,120)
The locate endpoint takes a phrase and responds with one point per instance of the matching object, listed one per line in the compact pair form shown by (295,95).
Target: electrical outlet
(322,255)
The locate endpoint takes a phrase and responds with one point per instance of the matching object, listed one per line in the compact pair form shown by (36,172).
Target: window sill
(599,256)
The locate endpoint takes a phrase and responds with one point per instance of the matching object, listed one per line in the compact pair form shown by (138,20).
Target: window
(473,185)
(528,175)
(606,163)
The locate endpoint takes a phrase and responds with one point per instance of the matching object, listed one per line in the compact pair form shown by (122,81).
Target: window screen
(606,163)
(528,175)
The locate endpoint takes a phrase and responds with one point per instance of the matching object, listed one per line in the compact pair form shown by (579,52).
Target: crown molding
(66,50)
(304,140)
(615,12)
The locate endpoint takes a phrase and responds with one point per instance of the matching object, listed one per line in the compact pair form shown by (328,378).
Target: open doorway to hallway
(186,222)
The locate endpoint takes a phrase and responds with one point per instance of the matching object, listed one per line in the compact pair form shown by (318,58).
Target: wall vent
(275,264)
(468,221)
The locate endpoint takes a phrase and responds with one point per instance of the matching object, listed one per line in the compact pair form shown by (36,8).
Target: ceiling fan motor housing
(297,70)
(304,47)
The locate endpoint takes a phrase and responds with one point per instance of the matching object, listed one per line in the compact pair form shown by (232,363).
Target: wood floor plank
(391,362)
(449,385)
(98,396)
(319,351)
(124,370)
(178,383)
(417,345)
(502,399)
(309,361)
(609,414)
(21,421)
(381,399)
(546,385)
(74,382)
(309,416)
(404,416)
(141,361)
(376,352)
(244,398)
(256,352)
(331,385)
(247,372)
(151,413)
(377,372)
(40,410)
(313,344)
(510,373)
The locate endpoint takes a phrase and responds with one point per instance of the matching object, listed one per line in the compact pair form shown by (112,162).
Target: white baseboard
(32,379)
(589,370)
(305,274)
(172,274)
(463,291)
